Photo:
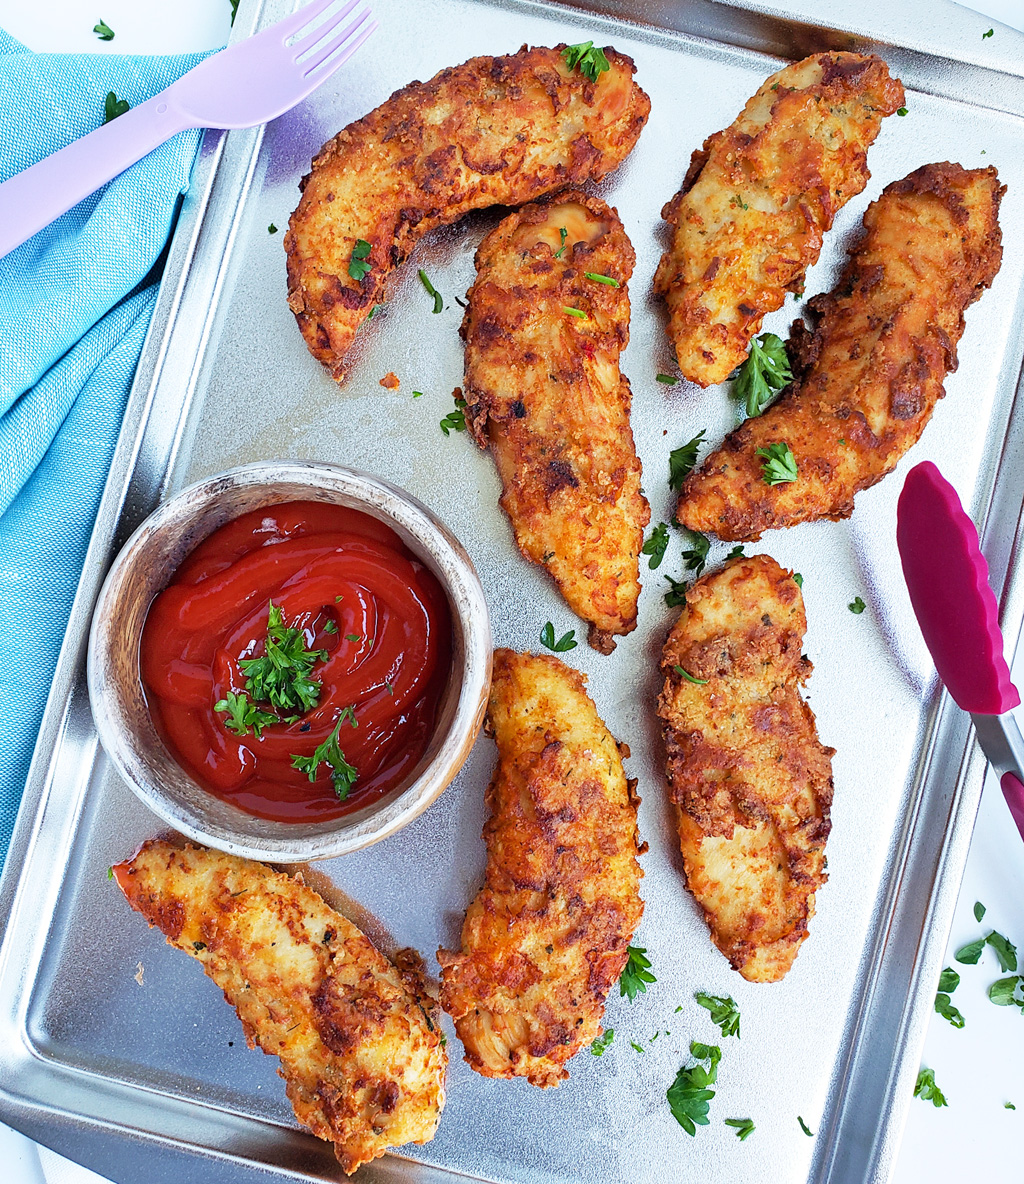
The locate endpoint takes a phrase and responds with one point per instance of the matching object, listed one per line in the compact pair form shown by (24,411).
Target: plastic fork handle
(32,199)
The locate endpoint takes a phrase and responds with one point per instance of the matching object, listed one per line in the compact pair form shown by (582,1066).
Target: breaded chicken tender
(493,131)
(867,379)
(548,933)
(545,392)
(758,197)
(363,1062)
(752,784)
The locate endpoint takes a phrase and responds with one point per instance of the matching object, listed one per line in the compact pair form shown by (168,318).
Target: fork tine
(308,12)
(346,53)
(322,52)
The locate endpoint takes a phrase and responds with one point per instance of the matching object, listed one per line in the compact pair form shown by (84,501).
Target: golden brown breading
(544,390)
(752,784)
(547,935)
(363,1062)
(757,198)
(493,131)
(869,376)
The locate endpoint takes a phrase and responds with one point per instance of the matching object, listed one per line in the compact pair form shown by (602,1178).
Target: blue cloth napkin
(75,304)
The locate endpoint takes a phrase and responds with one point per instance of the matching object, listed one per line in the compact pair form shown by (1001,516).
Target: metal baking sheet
(117,1051)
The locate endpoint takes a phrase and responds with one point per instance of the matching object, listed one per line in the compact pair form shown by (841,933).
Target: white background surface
(979,1067)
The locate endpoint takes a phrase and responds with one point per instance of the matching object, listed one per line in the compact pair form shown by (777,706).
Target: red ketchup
(354,590)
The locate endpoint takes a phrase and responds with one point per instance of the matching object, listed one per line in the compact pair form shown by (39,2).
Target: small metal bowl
(145,566)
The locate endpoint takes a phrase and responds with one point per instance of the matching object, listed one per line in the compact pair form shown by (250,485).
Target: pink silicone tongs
(947,577)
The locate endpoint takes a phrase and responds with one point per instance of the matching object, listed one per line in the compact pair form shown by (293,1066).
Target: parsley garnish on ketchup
(277,629)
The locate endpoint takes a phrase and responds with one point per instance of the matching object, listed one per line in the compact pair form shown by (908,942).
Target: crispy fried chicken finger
(758,197)
(752,784)
(547,935)
(867,379)
(493,131)
(544,391)
(363,1063)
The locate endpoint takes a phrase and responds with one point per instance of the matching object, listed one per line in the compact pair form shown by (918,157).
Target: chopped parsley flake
(945,1008)
(358,268)
(566,642)
(563,235)
(103,31)
(681,461)
(779,464)
(113,107)
(927,1090)
(856,606)
(724,1012)
(696,555)
(676,595)
(656,545)
(701,682)
(805,1128)
(438,298)
(600,1046)
(636,974)
(587,59)
(743,1127)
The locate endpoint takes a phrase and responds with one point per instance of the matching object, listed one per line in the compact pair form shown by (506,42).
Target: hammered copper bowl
(145,566)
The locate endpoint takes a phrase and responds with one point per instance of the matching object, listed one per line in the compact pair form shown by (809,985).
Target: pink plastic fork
(244,85)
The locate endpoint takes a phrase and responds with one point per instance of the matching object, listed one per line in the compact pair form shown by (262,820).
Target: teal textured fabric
(75,305)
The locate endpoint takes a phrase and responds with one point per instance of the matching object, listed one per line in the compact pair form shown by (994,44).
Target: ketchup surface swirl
(337,575)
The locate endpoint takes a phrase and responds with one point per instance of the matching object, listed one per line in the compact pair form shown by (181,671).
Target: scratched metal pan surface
(116,1050)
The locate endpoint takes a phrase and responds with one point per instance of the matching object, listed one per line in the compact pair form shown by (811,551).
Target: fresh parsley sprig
(566,642)
(282,676)
(358,268)
(636,974)
(779,464)
(342,773)
(927,1090)
(438,298)
(689,1096)
(584,57)
(682,460)
(656,545)
(765,372)
(724,1012)
(246,717)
